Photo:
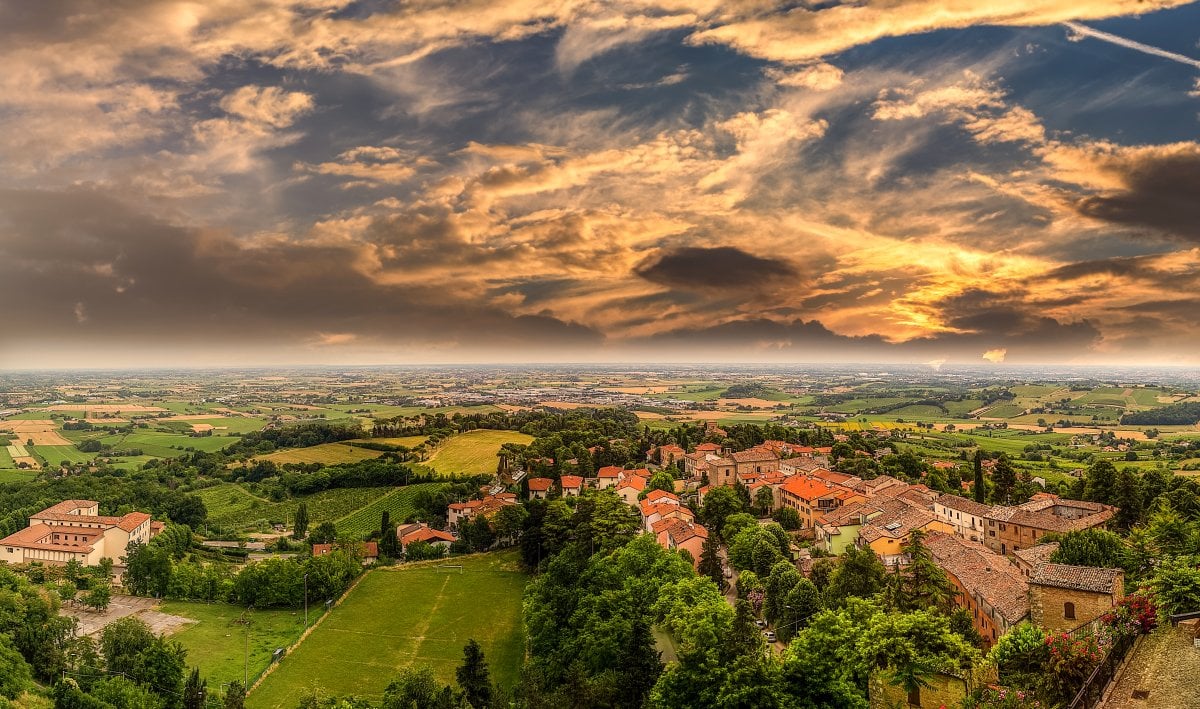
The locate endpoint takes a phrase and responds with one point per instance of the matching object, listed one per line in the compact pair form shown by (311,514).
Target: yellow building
(75,530)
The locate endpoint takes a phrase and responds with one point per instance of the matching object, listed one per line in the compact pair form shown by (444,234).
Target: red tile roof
(540,484)
(571,482)
(609,471)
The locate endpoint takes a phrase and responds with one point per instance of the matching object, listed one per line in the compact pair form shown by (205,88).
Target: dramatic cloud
(339,180)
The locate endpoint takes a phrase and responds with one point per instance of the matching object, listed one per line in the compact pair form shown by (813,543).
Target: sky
(235,182)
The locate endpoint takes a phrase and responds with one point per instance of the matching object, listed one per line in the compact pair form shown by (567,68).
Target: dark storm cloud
(1162,193)
(102,271)
(719,268)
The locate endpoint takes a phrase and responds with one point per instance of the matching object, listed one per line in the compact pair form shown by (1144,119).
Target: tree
(473,676)
(98,598)
(195,691)
(860,574)
(1128,499)
(1004,479)
(389,544)
(980,490)
(787,518)
(639,666)
(744,637)
(764,500)
(1091,547)
(710,561)
(15,674)
(719,503)
(325,533)
(417,688)
(923,584)
(735,523)
(147,569)
(661,480)
(477,533)
(300,525)
(1101,482)
(799,606)
(235,696)
(1176,586)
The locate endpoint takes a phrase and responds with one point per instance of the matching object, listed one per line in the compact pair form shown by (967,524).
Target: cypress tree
(389,546)
(300,528)
(473,676)
(195,691)
(1004,478)
(235,696)
(710,562)
(980,489)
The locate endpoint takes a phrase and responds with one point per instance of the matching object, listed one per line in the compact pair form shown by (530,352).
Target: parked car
(760,622)
(769,635)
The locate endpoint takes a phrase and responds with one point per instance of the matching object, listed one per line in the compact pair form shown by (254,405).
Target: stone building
(1063,597)
(990,587)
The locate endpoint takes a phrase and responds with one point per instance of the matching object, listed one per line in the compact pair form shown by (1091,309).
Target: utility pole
(246,675)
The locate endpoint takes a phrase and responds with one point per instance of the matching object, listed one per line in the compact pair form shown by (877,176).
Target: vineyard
(398,503)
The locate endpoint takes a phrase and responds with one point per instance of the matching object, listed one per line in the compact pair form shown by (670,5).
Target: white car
(760,622)
(769,635)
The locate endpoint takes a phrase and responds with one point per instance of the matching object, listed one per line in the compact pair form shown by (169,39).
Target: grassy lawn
(406,441)
(398,503)
(416,615)
(56,455)
(231,505)
(217,644)
(325,453)
(473,452)
(16,476)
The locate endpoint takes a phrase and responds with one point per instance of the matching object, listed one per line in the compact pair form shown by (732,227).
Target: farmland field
(218,645)
(325,453)
(473,452)
(411,615)
(57,455)
(231,505)
(16,476)
(398,503)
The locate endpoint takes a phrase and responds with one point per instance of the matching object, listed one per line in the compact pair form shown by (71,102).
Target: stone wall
(1047,603)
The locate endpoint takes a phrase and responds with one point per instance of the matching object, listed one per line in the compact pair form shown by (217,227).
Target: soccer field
(416,615)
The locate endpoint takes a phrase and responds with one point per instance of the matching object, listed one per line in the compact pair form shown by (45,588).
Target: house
(369,551)
(987,585)
(681,534)
(608,476)
(459,512)
(966,516)
(720,471)
(1010,529)
(572,485)
(660,505)
(755,460)
(420,532)
(708,448)
(947,687)
(669,454)
(837,531)
(1063,597)
(74,530)
(1031,559)
(813,498)
(631,484)
(539,488)
(886,534)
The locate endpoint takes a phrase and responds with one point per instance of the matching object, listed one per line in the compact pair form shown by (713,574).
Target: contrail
(1085,31)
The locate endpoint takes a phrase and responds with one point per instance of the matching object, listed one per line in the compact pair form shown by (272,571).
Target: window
(1069,611)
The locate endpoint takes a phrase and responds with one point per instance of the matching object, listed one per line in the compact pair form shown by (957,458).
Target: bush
(1134,614)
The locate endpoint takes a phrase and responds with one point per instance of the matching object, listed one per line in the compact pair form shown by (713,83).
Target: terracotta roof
(571,481)
(609,471)
(425,534)
(636,482)
(671,447)
(656,495)
(754,455)
(983,573)
(708,447)
(807,488)
(1081,578)
(540,484)
(680,530)
(68,506)
(898,520)
(133,520)
(1035,556)
(963,504)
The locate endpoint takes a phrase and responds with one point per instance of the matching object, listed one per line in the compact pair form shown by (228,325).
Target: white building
(74,530)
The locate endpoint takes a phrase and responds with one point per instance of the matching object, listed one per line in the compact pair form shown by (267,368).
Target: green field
(414,615)
(231,505)
(398,504)
(57,455)
(16,476)
(325,453)
(219,645)
(473,452)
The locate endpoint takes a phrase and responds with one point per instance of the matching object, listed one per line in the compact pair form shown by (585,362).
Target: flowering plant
(1135,614)
(1006,698)
(1072,660)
